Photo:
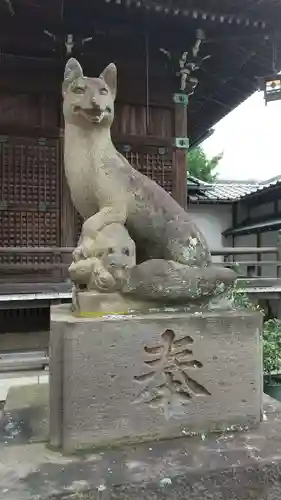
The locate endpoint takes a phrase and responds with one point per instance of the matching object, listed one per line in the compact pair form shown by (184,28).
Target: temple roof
(240,38)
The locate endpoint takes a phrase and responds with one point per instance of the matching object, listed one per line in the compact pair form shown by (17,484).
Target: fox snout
(91,106)
(94,102)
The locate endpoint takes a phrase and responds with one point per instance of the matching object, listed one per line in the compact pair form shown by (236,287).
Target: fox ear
(72,71)
(109,75)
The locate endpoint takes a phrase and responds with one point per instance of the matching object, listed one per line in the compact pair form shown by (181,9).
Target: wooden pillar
(278,255)
(258,240)
(179,191)
(234,224)
(68,232)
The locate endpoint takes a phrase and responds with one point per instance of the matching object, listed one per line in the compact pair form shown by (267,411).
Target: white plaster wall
(212,220)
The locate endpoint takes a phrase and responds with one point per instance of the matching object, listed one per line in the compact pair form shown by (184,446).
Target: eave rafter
(189,9)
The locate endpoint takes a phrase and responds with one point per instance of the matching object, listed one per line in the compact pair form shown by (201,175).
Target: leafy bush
(271,346)
(239,298)
(271,335)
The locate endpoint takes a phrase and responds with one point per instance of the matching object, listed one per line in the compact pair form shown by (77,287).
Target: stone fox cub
(104,187)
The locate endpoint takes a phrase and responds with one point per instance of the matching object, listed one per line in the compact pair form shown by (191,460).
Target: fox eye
(103,91)
(78,90)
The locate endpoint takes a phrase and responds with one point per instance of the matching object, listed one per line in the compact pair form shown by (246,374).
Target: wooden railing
(29,259)
(252,268)
(55,254)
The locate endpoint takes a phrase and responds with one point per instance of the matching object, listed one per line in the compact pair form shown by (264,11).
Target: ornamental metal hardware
(3,138)
(181,142)
(162,151)
(180,98)
(271,87)
(126,148)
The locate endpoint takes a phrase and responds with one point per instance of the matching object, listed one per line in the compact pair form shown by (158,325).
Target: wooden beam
(242,250)
(34,132)
(61,250)
(35,250)
(131,88)
(34,267)
(179,190)
(279,254)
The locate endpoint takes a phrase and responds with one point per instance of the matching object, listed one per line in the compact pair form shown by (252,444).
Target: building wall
(267,238)
(212,220)
(248,240)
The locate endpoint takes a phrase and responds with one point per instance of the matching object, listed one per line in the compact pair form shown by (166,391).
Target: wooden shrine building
(152,43)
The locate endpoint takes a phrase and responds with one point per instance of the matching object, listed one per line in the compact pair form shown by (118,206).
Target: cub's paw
(78,254)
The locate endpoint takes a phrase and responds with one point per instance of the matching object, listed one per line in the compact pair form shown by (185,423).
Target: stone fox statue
(106,189)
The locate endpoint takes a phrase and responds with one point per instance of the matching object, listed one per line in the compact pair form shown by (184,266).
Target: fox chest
(83,180)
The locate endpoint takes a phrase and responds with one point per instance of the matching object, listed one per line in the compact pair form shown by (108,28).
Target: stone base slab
(232,466)
(25,416)
(122,379)
(95,304)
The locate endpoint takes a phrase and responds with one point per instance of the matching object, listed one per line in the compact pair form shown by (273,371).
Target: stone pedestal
(90,304)
(121,379)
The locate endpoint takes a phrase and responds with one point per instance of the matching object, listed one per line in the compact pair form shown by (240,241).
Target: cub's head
(89,100)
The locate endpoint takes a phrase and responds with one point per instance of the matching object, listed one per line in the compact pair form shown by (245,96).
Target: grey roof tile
(230,190)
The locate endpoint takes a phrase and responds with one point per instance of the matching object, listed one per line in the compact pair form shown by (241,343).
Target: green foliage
(272,346)
(239,298)
(201,167)
(271,335)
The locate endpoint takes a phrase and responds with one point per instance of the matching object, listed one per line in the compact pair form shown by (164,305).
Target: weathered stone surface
(109,193)
(118,379)
(92,303)
(166,281)
(231,466)
(113,253)
(25,417)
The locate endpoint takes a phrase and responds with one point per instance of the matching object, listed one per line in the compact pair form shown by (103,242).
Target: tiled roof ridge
(247,182)
(228,190)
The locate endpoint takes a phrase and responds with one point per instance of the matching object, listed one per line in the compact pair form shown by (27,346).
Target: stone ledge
(232,466)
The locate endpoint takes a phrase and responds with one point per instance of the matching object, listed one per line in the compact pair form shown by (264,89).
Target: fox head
(89,100)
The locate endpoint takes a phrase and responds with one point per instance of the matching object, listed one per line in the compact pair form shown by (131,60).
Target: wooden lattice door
(29,197)
(151,161)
